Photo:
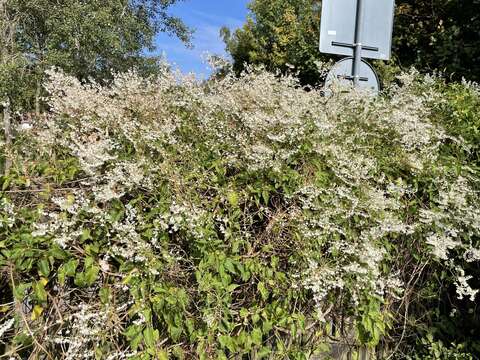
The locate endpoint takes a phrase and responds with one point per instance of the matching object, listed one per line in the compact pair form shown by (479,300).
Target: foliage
(430,35)
(88,39)
(166,218)
(448,319)
(278,34)
(12,64)
(460,113)
(437,350)
(439,35)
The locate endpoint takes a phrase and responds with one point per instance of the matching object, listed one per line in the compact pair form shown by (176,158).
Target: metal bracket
(352,46)
(347,77)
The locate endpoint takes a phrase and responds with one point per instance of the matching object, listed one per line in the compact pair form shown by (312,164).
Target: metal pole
(357,50)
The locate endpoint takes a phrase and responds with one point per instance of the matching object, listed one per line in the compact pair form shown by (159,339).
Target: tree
(278,34)
(12,62)
(88,38)
(439,35)
(11,74)
(431,35)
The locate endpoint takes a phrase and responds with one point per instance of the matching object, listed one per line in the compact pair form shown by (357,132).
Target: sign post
(357,52)
(358,29)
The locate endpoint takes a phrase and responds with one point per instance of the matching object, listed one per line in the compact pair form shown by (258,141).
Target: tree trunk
(8,136)
(38,92)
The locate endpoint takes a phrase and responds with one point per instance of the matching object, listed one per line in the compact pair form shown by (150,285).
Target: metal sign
(362,28)
(342,70)
(342,20)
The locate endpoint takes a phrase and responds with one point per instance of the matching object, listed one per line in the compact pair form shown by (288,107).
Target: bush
(436,350)
(161,218)
(459,113)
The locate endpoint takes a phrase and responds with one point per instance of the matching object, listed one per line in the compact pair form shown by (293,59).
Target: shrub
(163,217)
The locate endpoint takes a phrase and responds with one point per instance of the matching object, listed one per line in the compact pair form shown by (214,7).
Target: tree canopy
(430,35)
(278,34)
(439,35)
(87,38)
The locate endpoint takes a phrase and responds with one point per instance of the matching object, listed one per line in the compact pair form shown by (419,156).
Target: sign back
(337,28)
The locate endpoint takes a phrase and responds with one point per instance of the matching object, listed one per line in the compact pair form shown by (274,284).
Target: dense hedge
(165,218)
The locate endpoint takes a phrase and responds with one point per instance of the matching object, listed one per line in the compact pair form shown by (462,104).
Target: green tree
(439,35)
(431,35)
(278,34)
(87,38)
(12,63)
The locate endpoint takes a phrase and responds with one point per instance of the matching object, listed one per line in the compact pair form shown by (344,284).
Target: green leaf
(232,287)
(267,326)
(71,267)
(263,290)
(136,341)
(150,336)
(20,290)
(58,253)
(91,274)
(39,291)
(67,269)
(179,353)
(162,355)
(257,336)
(86,235)
(132,331)
(232,198)
(80,280)
(6,183)
(44,268)
(227,342)
(263,352)
(104,294)
(175,332)
(22,339)
(228,264)
(265,195)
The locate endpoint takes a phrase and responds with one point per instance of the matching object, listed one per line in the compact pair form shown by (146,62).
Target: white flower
(6,326)
(463,288)
(441,244)
(25,126)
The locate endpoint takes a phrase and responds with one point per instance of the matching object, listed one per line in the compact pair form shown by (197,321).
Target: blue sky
(206,17)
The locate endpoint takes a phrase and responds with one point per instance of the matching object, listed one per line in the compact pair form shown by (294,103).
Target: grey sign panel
(342,70)
(337,28)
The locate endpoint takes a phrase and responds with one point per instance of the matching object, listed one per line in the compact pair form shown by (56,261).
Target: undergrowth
(241,218)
